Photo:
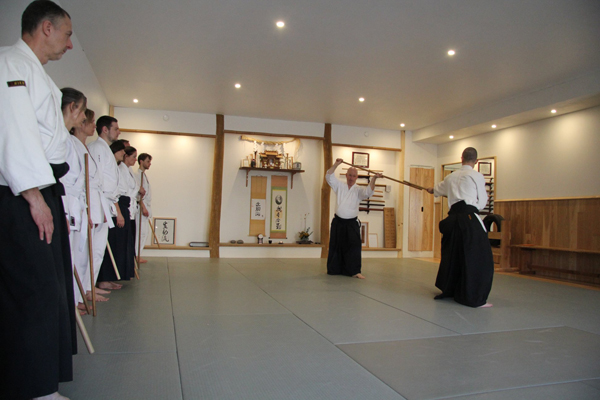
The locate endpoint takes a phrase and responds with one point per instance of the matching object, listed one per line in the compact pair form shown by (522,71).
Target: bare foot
(98,297)
(81,308)
(359,276)
(109,285)
(142,261)
(100,291)
(53,396)
(486,305)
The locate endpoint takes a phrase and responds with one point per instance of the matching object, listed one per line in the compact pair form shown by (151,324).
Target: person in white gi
(145,201)
(73,108)
(344,256)
(99,210)
(128,188)
(467,266)
(108,131)
(37,312)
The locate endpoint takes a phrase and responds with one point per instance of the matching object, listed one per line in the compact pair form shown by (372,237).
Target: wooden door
(420,223)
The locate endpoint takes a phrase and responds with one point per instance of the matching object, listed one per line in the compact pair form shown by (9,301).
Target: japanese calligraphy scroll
(279,207)
(258,205)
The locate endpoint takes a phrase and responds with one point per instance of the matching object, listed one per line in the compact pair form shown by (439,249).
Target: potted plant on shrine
(304,236)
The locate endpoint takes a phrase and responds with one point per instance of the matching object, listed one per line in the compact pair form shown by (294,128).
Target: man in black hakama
(345,246)
(37,307)
(467,266)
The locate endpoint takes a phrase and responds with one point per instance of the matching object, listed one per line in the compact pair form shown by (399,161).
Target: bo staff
(89,231)
(139,232)
(112,258)
(412,185)
(81,290)
(154,233)
(84,333)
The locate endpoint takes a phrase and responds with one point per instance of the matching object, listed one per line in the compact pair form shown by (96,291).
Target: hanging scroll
(279,207)
(258,205)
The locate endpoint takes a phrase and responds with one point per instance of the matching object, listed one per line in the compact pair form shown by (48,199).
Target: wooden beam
(214,232)
(357,146)
(400,206)
(168,133)
(326,191)
(280,135)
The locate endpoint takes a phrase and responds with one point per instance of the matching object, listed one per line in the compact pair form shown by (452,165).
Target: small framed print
(485,168)
(245,162)
(364,234)
(373,240)
(164,229)
(360,159)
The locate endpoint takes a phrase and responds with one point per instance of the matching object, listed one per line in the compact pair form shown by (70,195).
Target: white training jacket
(32,129)
(147,199)
(106,163)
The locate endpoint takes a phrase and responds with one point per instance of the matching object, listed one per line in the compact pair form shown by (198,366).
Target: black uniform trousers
(344,256)
(467,266)
(120,244)
(37,307)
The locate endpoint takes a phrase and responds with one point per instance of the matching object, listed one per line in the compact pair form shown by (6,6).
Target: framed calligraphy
(360,159)
(164,229)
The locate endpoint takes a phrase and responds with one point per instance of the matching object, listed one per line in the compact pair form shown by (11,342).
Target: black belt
(59,170)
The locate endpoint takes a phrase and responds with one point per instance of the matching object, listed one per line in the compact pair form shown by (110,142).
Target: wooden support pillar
(326,191)
(214,233)
(400,205)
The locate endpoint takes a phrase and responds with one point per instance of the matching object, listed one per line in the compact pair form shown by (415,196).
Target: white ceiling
(515,59)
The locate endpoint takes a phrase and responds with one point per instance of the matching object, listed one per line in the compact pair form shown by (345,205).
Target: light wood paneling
(420,223)
(563,230)
(326,190)
(214,232)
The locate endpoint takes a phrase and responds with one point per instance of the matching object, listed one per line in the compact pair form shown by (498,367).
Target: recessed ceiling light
(135,100)
(451,52)
(451,137)
(280,24)
(402,125)
(553,111)
(494,126)
(237,86)
(361,99)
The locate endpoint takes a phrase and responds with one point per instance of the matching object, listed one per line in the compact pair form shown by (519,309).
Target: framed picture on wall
(364,234)
(360,159)
(485,168)
(164,229)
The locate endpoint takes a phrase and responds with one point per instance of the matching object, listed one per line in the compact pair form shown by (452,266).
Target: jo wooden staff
(89,232)
(139,232)
(154,233)
(412,185)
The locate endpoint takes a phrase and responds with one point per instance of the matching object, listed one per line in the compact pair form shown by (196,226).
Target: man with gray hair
(37,308)
(467,266)
(345,247)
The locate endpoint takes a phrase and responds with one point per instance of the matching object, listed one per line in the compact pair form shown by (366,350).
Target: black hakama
(119,241)
(344,247)
(37,307)
(467,266)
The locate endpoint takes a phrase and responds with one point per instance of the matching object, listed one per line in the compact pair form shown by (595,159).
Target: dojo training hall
(229,317)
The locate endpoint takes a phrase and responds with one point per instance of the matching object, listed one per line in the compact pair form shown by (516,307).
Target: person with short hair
(108,131)
(145,201)
(345,246)
(467,266)
(37,310)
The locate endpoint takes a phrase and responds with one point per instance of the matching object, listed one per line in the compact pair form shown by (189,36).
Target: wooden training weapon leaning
(154,233)
(84,333)
(139,232)
(81,290)
(89,231)
(412,185)
(112,258)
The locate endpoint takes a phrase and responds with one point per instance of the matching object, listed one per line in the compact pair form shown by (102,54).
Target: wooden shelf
(381,249)
(291,171)
(174,247)
(536,247)
(269,245)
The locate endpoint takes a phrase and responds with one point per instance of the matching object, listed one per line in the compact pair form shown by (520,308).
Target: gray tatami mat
(199,328)
(451,366)
(267,357)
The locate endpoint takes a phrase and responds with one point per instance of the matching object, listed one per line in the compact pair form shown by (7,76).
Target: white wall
(554,157)
(73,70)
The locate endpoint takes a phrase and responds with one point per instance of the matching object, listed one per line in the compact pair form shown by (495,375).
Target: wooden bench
(526,266)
